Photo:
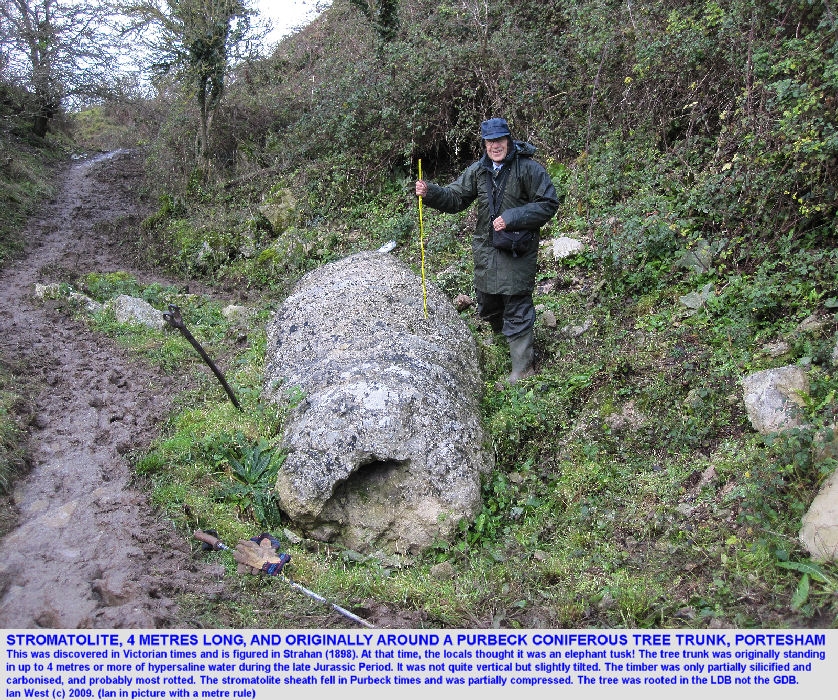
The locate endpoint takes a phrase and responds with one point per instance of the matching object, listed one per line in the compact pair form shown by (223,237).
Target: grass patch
(630,490)
(14,415)
(26,181)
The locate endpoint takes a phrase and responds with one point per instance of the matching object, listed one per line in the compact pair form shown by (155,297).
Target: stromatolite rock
(385,448)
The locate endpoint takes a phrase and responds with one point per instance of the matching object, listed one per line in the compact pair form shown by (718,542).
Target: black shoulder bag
(514,242)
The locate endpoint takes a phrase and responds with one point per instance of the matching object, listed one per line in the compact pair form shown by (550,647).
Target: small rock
(549,319)
(204,255)
(462,302)
(393,561)
(628,418)
(129,309)
(772,398)
(776,349)
(235,313)
(59,517)
(811,324)
(576,331)
(606,602)
(352,555)
(825,443)
(85,302)
(291,536)
(687,613)
(685,509)
(387,247)
(707,476)
(539,555)
(564,247)
(47,291)
(695,300)
(280,210)
(443,571)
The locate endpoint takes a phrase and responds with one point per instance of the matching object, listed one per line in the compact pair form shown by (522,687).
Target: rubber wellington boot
(521,354)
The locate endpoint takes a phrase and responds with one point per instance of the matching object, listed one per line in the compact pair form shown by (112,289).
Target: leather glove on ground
(259,558)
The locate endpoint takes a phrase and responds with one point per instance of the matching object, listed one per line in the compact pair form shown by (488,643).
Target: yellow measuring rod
(422,246)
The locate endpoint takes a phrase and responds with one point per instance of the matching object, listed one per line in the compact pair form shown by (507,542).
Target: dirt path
(87,550)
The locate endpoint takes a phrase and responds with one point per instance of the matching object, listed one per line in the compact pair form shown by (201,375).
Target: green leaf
(801,595)
(809,568)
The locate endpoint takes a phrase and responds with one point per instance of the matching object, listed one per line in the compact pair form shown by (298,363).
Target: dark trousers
(510,314)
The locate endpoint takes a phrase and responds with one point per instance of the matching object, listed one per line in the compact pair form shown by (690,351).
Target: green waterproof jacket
(529,202)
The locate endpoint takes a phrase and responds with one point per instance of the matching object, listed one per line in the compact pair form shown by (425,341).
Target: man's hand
(499,224)
(421,188)
(253,557)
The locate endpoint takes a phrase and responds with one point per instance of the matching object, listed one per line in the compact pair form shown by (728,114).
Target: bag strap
(496,194)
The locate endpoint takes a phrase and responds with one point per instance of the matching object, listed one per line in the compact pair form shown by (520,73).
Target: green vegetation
(695,148)
(14,412)
(26,167)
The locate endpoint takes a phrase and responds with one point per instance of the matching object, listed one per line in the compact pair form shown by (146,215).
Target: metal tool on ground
(248,553)
(422,245)
(173,318)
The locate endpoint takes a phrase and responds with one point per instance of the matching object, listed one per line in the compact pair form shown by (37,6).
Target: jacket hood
(524,148)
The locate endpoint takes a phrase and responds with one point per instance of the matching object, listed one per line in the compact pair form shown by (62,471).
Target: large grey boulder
(773,398)
(819,531)
(386,448)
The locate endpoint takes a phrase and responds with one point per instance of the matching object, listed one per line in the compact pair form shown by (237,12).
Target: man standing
(515,198)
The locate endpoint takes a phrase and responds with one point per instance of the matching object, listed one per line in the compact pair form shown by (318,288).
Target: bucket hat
(494,128)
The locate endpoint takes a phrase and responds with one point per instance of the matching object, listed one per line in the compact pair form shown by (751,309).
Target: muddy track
(87,549)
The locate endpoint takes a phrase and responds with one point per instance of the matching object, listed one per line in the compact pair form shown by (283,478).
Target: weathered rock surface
(819,533)
(695,300)
(628,418)
(237,314)
(90,305)
(386,447)
(772,398)
(280,210)
(129,309)
(564,247)
(47,291)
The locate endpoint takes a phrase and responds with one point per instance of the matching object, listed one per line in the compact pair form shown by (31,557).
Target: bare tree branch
(58,50)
